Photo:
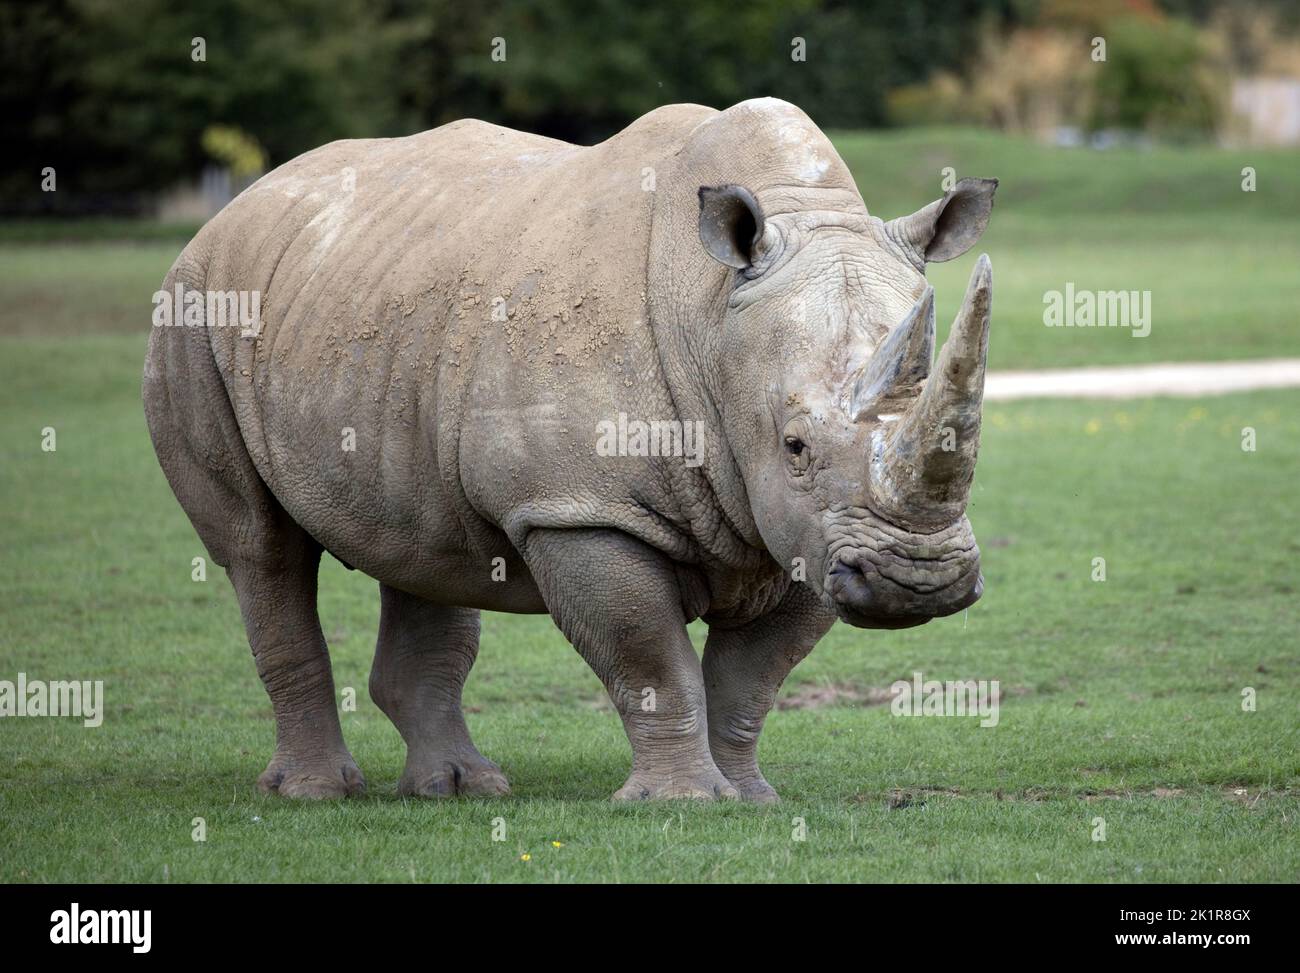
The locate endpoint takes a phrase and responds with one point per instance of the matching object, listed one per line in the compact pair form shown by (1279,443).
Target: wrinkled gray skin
(471,302)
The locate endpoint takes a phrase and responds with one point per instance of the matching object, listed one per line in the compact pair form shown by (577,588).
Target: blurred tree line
(108,93)
(113,96)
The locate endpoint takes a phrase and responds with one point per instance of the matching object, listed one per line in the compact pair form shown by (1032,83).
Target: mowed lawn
(1121,699)
(1219,263)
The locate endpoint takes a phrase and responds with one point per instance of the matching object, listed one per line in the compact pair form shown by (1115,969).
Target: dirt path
(1140,381)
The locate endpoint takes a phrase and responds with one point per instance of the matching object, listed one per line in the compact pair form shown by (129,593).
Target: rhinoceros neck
(711,495)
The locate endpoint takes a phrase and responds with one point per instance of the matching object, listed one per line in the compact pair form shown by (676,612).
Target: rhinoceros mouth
(882,576)
(867,599)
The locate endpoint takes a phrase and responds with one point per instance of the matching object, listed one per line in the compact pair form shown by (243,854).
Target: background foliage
(107,93)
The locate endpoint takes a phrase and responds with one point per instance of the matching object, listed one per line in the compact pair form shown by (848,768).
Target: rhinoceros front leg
(422,656)
(620,604)
(743,669)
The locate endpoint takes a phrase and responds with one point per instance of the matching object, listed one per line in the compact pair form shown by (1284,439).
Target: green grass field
(1121,700)
(1219,262)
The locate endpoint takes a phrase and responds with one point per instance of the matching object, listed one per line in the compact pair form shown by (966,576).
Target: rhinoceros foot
(461,775)
(757,791)
(321,779)
(705,786)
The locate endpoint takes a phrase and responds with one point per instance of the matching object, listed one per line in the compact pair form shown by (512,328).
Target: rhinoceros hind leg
(422,656)
(743,669)
(619,602)
(278,601)
(271,560)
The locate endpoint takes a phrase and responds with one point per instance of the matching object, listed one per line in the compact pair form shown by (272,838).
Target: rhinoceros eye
(799,455)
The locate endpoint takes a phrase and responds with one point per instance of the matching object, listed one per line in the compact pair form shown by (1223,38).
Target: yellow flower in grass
(557,844)
(525,857)
(1093,427)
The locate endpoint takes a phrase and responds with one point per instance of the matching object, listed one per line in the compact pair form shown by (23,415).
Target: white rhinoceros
(680,374)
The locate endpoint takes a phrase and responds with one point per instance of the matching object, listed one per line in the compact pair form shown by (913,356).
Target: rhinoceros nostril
(849,586)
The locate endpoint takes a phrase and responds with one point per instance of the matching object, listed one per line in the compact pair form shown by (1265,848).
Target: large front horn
(923,474)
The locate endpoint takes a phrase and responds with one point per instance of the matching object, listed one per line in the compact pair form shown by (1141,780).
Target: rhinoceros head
(857,451)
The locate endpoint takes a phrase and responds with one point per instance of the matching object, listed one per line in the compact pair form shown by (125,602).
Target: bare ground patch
(833,694)
(901,798)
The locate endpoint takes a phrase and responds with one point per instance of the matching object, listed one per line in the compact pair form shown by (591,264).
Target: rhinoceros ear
(948,227)
(731,224)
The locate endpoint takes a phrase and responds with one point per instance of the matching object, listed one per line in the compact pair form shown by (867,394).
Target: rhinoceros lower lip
(891,622)
(864,605)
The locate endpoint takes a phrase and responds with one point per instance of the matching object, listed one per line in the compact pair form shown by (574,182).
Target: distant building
(203,198)
(1265,111)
